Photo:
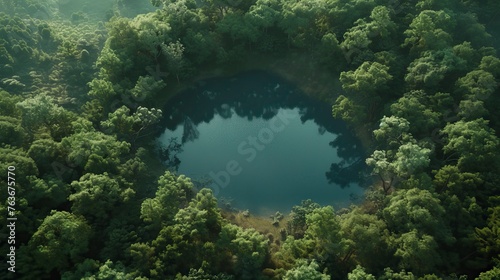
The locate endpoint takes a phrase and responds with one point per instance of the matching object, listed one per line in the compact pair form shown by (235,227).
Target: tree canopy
(82,94)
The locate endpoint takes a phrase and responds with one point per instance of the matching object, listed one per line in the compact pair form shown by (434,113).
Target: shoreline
(299,69)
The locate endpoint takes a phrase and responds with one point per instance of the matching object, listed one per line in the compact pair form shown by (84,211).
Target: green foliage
(359,274)
(430,30)
(82,269)
(490,64)
(45,152)
(415,108)
(147,87)
(472,143)
(417,252)
(377,31)
(367,79)
(306,271)
(392,131)
(389,274)
(331,51)
(491,274)
(96,195)
(200,274)
(367,238)
(428,65)
(411,159)
(322,241)
(11,132)
(297,223)
(450,179)
(189,241)
(429,70)
(8,104)
(297,21)
(348,110)
(129,126)
(416,219)
(94,151)
(25,166)
(362,87)
(398,163)
(62,238)
(415,209)
(102,90)
(488,236)
(322,233)
(42,112)
(469,110)
(173,194)
(248,247)
(477,85)
(47,193)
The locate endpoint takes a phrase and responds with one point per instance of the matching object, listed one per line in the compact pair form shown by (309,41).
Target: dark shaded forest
(81,83)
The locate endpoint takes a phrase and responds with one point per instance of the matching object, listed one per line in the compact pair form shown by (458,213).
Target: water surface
(261,144)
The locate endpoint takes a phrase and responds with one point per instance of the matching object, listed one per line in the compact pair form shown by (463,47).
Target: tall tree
(430,30)
(97,195)
(173,194)
(472,144)
(60,241)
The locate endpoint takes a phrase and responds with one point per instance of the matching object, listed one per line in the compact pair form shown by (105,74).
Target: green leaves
(247,246)
(417,253)
(305,271)
(42,111)
(61,239)
(367,79)
(94,151)
(323,230)
(392,131)
(359,274)
(432,67)
(97,195)
(173,194)
(363,88)
(414,208)
(411,159)
(297,224)
(477,85)
(367,237)
(363,34)
(416,108)
(349,111)
(429,31)
(491,64)
(152,34)
(416,220)
(403,157)
(322,241)
(11,131)
(131,126)
(188,241)
(147,87)
(473,144)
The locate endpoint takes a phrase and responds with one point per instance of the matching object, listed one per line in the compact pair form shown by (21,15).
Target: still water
(261,144)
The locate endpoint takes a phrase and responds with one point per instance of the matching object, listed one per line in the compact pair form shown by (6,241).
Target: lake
(261,144)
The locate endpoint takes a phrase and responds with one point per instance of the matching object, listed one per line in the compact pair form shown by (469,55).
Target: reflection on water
(261,144)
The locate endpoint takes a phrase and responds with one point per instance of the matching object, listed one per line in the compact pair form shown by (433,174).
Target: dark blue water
(261,144)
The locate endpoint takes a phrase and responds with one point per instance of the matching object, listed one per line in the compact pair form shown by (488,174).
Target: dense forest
(81,83)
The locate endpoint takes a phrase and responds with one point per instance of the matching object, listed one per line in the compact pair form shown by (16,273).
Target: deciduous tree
(306,271)
(430,30)
(61,239)
(473,144)
(97,195)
